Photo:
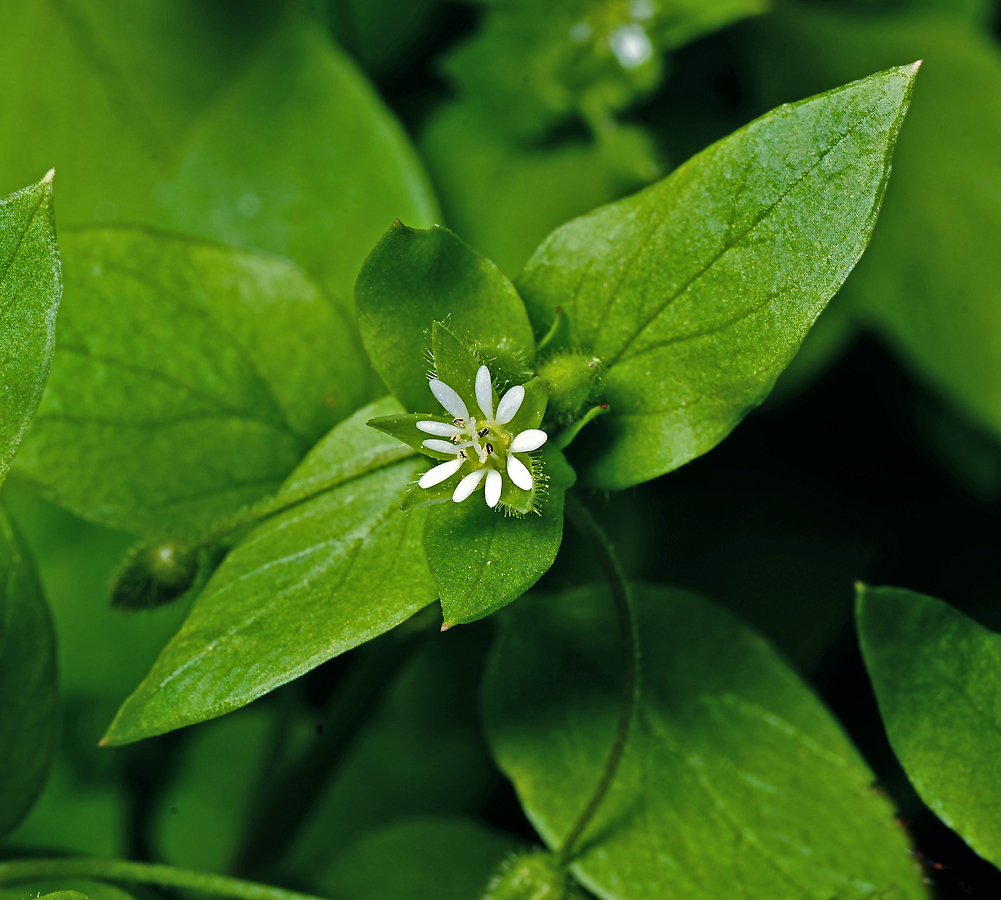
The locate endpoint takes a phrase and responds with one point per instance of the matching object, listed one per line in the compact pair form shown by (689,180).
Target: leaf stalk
(581,518)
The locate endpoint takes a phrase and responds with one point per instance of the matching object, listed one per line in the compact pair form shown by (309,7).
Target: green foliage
(28,683)
(413,279)
(929,282)
(697,292)
(191,379)
(444,858)
(735,781)
(338,565)
(243,125)
(30,285)
(935,672)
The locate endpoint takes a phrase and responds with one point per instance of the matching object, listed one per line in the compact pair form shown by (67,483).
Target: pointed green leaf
(697,292)
(30,285)
(28,684)
(482,559)
(413,279)
(736,782)
(190,379)
(246,125)
(929,282)
(937,677)
(337,564)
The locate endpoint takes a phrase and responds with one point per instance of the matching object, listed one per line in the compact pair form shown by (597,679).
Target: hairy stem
(142,873)
(580,517)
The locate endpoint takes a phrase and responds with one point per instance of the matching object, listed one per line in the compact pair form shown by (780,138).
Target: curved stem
(580,517)
(142,873)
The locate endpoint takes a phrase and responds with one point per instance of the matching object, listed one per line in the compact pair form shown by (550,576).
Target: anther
(483,432)
(462,454)
(490,449)
(459,423)
(455,438)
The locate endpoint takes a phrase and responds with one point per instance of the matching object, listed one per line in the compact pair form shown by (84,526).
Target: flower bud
(154,574)
(533,875)
(573,379)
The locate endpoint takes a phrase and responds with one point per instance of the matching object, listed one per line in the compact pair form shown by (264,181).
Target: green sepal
(404,428)
(455,364)
(533,407)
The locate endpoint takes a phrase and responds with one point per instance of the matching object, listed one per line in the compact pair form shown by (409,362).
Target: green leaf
(447,858)
(28,683)
(204,808)
(935,673)
(190,379)
(431,709)
(337,564)
(30,285)
(929,281)
(243,125)
(415,278)
(736,782)
(697,292)
(481,559)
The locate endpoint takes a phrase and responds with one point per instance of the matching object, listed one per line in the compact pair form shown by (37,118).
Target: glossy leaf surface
(30,285)
(936,676)
(482,559)
(190,380)
(338,566)
(245,125)
(736,782)
(413,279)
(696,292)
(28,683)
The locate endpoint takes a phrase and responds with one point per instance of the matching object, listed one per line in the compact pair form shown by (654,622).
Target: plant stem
(580,517)
(142,873)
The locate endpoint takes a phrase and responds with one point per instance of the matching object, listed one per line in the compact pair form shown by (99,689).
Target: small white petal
(485,392)
(445,429)
(509,404)
(468,484)
(528,440)
(440,446)
(493,487)
(440,473)
(449,399)
(518,472)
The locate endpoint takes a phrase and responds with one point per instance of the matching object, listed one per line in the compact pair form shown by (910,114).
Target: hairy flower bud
(573,378)
(153,574)
(534,875)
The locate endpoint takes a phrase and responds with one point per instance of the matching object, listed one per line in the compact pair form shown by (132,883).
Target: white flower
(482,443)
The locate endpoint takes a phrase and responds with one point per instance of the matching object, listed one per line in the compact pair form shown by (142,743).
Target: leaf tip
(49,176)
(446,625)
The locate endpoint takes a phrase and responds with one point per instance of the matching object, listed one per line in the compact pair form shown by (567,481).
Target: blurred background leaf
(244,124)
(190,380)
(29,692)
